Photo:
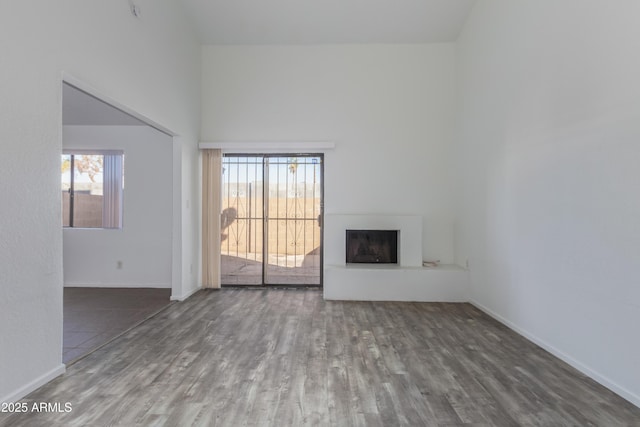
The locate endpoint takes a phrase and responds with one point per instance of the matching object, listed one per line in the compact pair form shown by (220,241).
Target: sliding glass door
(272,220)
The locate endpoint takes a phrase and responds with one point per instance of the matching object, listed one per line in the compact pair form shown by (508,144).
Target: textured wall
(150,65)
(388,108)
(549,124)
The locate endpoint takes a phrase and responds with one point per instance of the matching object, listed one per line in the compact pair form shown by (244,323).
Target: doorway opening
(118,247)
(271,227)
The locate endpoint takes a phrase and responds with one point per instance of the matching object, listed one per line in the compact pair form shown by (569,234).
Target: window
(92,188)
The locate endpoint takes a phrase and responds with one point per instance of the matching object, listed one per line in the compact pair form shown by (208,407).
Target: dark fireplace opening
(372,246)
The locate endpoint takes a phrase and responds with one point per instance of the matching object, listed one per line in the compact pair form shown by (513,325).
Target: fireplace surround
(409,240)
(407,280)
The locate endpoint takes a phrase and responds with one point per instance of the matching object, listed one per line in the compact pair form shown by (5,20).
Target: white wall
(388,108)
(144,243)
(150,65)
(548,147)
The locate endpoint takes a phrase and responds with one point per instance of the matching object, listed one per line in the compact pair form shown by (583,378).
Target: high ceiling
(296,22)
(327,21)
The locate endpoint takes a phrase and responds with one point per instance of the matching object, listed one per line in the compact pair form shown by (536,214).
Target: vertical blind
(211,211)
(112,191)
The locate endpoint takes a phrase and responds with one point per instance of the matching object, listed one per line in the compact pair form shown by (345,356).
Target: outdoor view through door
(271,220)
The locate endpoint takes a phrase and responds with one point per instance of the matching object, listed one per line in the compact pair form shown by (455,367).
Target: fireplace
(372,246)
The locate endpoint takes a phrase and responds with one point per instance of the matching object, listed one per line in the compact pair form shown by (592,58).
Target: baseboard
(185,295)
(118,285)
(606,382)
(35,384)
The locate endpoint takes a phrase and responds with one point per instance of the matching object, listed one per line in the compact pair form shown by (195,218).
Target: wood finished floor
(288,358)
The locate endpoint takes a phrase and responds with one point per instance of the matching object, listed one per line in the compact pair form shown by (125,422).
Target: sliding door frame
(265,217)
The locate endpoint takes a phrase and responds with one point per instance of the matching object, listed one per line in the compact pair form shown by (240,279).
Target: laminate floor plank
(251,357)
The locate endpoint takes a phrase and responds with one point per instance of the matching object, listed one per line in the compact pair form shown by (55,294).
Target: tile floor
(95,316)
